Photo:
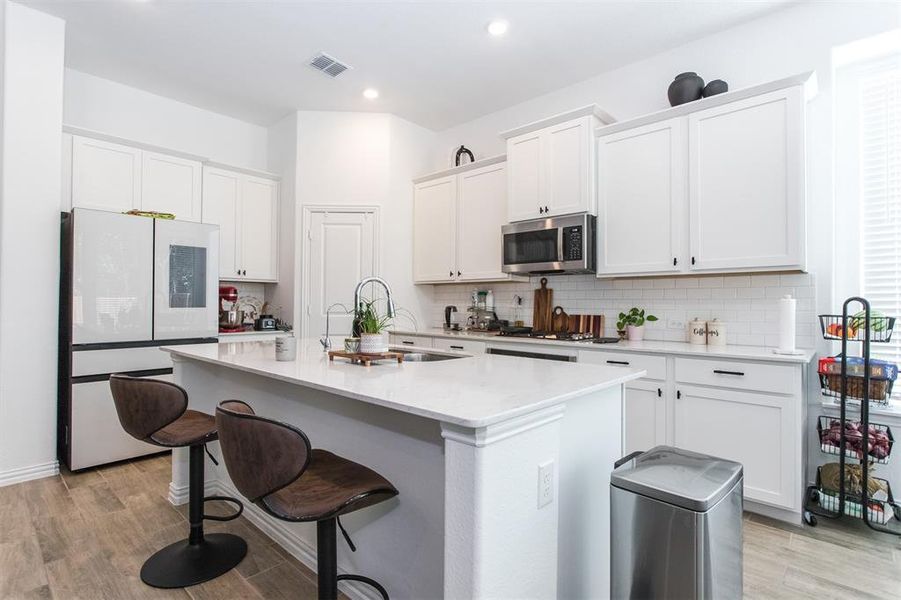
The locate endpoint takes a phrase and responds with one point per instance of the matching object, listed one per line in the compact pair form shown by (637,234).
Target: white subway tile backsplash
(748,304)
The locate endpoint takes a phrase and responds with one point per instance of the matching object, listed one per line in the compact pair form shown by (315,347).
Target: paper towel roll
(787,306)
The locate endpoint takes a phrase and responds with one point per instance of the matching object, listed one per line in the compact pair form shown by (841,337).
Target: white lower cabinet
(412,341)
(758,430)
(453,345)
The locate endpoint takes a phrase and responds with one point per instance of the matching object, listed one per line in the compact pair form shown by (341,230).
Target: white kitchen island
(463,440)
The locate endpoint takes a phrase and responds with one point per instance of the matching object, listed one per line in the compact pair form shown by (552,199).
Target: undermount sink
(419,356)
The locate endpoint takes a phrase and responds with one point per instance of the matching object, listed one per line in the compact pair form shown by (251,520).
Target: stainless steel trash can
(676,526)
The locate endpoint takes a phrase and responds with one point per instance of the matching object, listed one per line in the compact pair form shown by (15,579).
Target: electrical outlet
(545,483)
(676,324)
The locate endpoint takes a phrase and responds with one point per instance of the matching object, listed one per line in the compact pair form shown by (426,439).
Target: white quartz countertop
(474,391)
(250,332)
(647,346)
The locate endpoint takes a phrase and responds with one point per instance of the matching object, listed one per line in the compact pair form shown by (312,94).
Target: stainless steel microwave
(554,245)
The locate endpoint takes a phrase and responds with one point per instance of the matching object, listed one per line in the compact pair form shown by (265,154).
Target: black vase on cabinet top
(717,86)
(686,87)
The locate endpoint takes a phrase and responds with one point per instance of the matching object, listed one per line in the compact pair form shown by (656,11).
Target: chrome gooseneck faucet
(326,341)
(391,311)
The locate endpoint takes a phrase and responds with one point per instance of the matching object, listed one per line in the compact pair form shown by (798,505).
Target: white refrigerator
(128,285)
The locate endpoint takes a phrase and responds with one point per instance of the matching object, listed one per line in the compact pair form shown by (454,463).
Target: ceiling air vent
(327,64)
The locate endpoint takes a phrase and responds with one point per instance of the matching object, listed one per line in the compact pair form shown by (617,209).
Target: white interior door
(112,277)
(343,248)
(170,184)
(105,176)
(185,298)
(221,192)
(642,194)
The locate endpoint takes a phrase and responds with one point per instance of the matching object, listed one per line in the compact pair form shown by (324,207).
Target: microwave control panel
(572,243)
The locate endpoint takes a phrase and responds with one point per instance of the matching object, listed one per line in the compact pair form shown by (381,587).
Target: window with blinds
(880,194)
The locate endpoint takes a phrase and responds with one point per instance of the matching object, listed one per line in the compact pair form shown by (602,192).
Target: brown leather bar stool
(157,412)
(273,465)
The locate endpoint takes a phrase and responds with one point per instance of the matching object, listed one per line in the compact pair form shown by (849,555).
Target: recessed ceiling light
(497,27)
(370,93)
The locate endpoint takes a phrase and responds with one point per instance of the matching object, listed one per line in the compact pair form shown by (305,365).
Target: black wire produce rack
(855,435)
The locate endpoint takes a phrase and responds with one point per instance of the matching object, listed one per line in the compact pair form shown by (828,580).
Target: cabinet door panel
(524,172)
(642,193)
(482,211)
(258,229)
(644,416)
(434,224)
(105,176)
(746,162)
(756,430)
(567,166)
(171,185)
(221,192)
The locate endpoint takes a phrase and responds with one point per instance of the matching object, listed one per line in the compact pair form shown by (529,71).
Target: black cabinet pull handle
(450,273)
(692,260)
(675,261)
(721,372)
(618,362)
(458,273)
(456,347)
(540,210)
(546,209)
(407,342)
(678,395)
(659,392)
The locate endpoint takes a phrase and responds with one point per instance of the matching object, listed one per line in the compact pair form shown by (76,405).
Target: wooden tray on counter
(366,359)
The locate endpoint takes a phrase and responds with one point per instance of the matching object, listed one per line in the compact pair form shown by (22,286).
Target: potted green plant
(373,337)
(633,323)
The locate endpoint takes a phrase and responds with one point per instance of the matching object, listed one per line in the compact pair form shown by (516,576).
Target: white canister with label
(697,332)
(286,348)
(716,333)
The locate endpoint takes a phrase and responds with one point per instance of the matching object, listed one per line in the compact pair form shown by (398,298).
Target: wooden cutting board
(541,309)
(593,324)
(560,320)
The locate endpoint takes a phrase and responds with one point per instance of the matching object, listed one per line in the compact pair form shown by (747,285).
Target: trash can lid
(679,477)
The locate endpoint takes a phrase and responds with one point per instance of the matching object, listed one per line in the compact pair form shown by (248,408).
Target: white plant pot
(373,343)
(635,334)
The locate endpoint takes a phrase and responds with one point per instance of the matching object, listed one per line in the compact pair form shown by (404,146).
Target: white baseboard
(28,473)
(780,514)
(290,541)
(178,494)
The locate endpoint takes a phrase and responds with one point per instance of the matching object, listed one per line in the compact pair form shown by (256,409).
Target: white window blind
(880,196)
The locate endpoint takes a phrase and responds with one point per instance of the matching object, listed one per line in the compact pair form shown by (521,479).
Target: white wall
(370,159)
(794,40)
(282,159)
(116,109)
(32,100)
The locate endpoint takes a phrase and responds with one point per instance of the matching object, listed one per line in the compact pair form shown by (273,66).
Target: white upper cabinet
(642,195)
(551,165)
(524,177)
(259,229)
(171,185)
(457,220)
(746,162)
(434,215)
(245,208)
(715,185)
(569,168)
(105,176)
(221,194)
(480,216)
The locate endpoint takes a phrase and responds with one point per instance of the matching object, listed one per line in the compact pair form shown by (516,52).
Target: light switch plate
(545,483)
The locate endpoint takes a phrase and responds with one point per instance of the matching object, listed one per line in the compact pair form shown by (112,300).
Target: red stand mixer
(230,319)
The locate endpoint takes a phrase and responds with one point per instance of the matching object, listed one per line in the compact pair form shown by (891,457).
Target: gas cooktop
(563,336)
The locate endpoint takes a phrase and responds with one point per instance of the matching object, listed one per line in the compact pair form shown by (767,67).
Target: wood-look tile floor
(86,535)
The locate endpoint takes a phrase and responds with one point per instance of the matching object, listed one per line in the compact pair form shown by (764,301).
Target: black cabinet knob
(546,209)
(450,273)
(540,210)
(675,261)
(458,273)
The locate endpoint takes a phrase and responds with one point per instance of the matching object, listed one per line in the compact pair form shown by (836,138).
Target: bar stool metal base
(182,564)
